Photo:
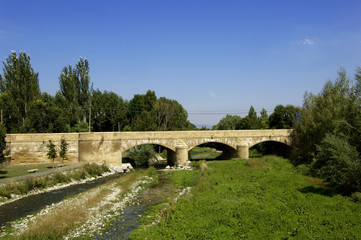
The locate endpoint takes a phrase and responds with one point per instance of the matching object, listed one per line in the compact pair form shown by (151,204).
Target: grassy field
(264,198)
(20,170)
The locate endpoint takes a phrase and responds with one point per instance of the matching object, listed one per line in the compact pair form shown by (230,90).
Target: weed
(266,198)
(185,178)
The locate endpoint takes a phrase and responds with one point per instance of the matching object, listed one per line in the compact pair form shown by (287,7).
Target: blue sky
(210,56)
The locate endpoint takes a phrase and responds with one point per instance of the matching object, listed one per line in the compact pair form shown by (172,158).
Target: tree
(75,91)
(21,84)
(51,151)
(140,112)
(252,121)
(2,143)
(284,117)
(264,119)
(229,122)
(63,149)
(335,110)
(329,131)
(170,115)
(45,116)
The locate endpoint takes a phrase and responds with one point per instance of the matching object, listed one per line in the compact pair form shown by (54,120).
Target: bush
(61,178)
(142,154)
(95,169)
(339,163)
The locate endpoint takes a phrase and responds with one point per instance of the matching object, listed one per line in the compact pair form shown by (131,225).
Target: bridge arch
(228,151)
(135,143)
(283,140)
(192,143)
(279,148)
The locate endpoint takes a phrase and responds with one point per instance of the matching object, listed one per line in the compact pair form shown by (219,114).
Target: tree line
(283,117)
(76,106)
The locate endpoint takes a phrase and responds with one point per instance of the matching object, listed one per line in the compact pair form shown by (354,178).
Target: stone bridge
(107,147)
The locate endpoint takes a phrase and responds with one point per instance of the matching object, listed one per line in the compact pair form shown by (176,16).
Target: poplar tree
(76,91)
(21,84)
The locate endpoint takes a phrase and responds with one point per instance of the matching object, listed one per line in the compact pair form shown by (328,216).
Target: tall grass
(265,198)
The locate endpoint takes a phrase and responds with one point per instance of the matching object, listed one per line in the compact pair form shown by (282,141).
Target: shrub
(60,178)
(95,169)
(142,154)
(339,163)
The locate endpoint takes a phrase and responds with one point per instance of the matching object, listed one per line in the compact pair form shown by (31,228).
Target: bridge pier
(179,157)
(181,152)
(243,150)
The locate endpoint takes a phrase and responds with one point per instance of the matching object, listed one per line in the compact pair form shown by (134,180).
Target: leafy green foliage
(51,150)
(63,148)
(330,128)
(141,154)
(229,122)
(21,85)
(75,91)
(284,117)
(336,110)
(76,106)
(257,199)
(339,163)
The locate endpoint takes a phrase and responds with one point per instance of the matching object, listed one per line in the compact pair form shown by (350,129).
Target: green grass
(185,178)
(20,170)
(264,198)
(203,153)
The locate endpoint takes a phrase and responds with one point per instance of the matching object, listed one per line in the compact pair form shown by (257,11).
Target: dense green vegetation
(77,107)
(283,117)
(264,198)
(329,132)
(142,154)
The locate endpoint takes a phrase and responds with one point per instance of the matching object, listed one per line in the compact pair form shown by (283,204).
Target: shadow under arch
(162,158)
(227,152)
(270,147)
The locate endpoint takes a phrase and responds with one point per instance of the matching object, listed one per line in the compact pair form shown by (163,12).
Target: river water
(121,228)
(130,219)
(33,203)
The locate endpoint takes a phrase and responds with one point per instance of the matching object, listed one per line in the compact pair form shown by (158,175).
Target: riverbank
(19,187)
(84,213)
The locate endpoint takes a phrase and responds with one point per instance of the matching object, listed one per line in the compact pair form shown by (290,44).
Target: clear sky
(218,56)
